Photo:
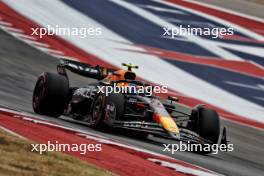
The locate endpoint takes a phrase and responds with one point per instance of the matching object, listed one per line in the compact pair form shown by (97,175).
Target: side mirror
(172,98)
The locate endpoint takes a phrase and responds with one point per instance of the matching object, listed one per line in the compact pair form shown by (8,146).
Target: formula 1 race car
(130,110)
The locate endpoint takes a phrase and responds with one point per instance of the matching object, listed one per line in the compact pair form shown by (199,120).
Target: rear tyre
(50,96)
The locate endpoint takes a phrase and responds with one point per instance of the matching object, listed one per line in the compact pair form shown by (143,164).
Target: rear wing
(82,69)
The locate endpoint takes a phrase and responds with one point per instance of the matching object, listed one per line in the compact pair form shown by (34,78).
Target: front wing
(185,135)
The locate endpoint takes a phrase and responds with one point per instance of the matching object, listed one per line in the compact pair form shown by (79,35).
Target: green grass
(16,159)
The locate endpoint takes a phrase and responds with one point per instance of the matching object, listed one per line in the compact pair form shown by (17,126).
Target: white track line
(183,169)
(24,37)
(3,23)
(58,55)
(159,9)
(37,44)
(51,51)
(11,29)
(11,132)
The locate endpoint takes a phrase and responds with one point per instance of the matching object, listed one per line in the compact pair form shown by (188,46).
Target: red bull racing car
(149,114)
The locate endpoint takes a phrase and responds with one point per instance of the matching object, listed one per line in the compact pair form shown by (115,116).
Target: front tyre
(98,112)
(206,123)
(50,96)
(209,125)
(115,107)
(107,109)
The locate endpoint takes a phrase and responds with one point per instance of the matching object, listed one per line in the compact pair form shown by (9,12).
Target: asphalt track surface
(20,65)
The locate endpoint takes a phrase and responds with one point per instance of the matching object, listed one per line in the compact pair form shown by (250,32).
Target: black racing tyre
(208,124)
(114,107)
(50,96)
(98,112)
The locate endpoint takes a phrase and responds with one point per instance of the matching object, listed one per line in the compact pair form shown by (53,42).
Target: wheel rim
(111,111)
(97,111)
(38,93)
